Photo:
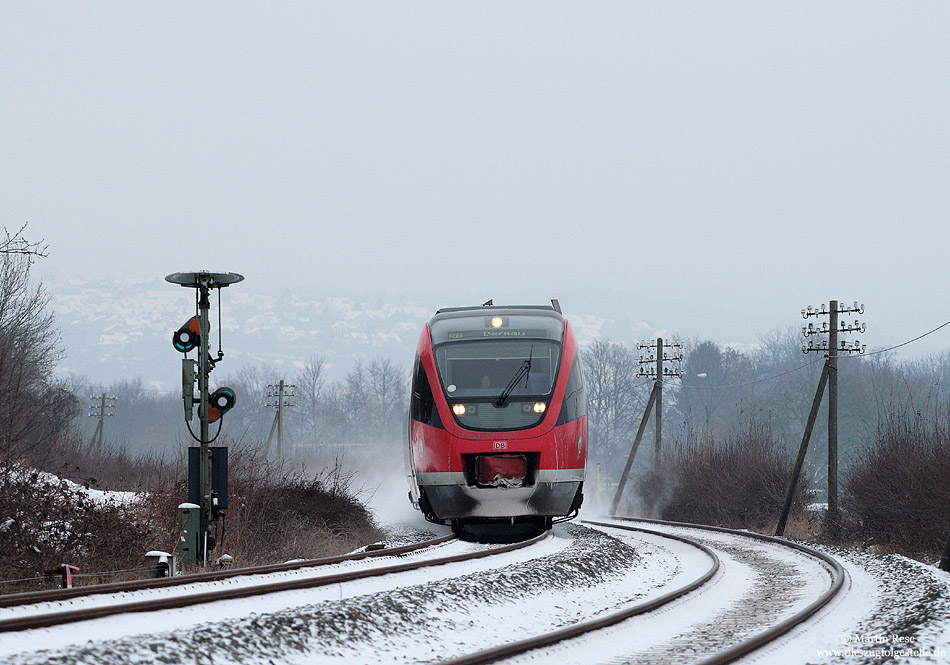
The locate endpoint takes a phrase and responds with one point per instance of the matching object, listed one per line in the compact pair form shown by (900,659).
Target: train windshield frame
(497,368)
(484,370)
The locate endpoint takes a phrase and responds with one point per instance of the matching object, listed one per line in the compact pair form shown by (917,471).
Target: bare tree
(374,395)
(615,404)
(17,244)
(310,389)
(34,408)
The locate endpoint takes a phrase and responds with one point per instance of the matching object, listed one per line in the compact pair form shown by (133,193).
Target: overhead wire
(819,359)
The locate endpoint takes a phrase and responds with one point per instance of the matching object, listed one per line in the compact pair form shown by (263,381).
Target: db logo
(501,445)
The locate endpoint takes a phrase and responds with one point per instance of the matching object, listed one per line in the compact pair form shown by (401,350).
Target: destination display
(496,332)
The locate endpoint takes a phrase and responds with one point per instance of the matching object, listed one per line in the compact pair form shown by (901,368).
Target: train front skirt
(551,494)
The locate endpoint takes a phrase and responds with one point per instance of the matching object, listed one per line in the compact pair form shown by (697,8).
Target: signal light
(186,338)
(220,402)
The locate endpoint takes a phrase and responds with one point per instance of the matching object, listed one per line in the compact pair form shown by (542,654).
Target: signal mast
(194,529)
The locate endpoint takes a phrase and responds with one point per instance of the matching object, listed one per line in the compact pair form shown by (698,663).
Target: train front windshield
(497,369)
(487,370)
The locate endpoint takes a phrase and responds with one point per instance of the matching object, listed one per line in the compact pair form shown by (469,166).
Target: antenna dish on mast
(203,278)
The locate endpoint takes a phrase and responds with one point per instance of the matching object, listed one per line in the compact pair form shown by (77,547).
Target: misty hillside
(122,329)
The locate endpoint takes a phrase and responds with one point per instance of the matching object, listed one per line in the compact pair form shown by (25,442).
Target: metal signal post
(193,334)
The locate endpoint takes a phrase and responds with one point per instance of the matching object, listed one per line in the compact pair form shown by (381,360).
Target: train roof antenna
(488,303)
(556,305)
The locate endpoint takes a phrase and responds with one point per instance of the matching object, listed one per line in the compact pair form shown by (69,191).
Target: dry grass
(46,521)
(738,482)
(897,490)
(278,513)
(274,514)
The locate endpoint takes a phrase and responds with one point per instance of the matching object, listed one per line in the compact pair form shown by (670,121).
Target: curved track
(515,648)
(689,647)
(56,595)
(617,591)
(54,616)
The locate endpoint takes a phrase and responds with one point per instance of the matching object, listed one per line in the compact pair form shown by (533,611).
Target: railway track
(57,595)
(686,647)
(44,609)
(617,591)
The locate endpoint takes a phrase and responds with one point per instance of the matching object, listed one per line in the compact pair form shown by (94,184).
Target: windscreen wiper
(523,371)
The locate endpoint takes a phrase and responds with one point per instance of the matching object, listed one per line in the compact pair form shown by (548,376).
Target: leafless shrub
(738,482)
(897,489)
(34,408)
(46,521)
(278,513)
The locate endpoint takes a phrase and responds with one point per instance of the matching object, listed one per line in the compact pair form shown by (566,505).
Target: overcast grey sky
(717,165)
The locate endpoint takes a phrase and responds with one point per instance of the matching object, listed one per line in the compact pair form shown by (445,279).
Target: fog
(707,168)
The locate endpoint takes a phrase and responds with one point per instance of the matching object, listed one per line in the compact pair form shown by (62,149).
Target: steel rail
(53,595)
(749,645)
(578,629)
(172,602)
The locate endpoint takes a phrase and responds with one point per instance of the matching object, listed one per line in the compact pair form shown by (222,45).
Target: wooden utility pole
(658,372)
(280,420)
(655,401)
(658,442)
(284,391)
(831,346)
(100,409)
(833,412)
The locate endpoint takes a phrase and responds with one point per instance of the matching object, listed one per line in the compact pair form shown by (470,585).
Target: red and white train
(497,417)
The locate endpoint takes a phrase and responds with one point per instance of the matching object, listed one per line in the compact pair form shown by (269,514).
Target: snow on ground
(421,615)
(100,497)
(893,610)
(891,605)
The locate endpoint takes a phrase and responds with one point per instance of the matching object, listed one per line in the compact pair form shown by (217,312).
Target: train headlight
(539,407)
(459,409)
(497,322)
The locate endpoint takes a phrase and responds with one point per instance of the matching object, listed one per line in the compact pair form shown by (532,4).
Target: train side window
(575,396)
(422,404)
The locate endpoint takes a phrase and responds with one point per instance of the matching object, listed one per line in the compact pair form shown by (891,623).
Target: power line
(897,346)
(809,364)
(750,383)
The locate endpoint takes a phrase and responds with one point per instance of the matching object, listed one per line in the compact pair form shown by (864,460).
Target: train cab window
(484,370)
(422,403)
(575,396)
